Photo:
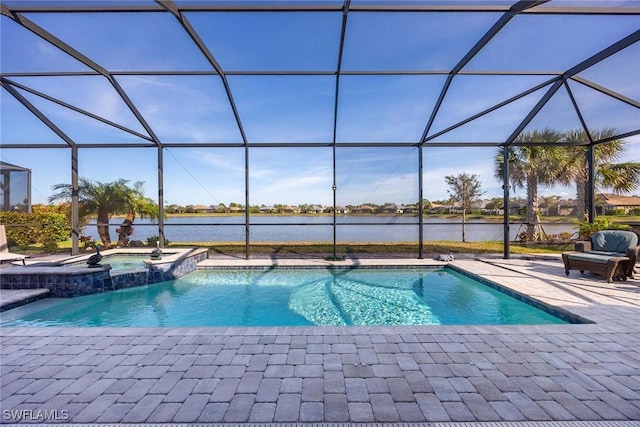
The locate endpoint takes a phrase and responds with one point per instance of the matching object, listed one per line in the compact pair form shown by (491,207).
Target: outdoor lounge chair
(5,255)
(610,253)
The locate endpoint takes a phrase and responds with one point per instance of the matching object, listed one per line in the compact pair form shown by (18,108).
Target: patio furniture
(5,255)
(610,253)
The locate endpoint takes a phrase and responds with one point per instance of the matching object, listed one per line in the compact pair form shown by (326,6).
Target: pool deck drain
(539,375)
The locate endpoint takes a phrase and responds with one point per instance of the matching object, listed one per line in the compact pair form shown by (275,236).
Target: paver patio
(586,372)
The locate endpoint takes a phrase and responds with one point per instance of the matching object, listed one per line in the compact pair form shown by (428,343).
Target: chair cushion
(608,254)
(613,240)
(589,257)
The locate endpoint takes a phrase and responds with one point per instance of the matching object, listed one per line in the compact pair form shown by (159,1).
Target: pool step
(11,298)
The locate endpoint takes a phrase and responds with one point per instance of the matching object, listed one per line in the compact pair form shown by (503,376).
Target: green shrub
(586,229)
(44,224)
(152,241)
(50,246)
(617,212)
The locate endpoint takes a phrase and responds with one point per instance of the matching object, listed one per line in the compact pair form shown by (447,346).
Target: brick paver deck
(587,372)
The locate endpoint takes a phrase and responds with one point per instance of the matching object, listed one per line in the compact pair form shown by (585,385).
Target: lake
(268,228)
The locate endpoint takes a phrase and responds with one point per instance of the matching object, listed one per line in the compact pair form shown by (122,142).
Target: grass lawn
(310,248)
(401,248)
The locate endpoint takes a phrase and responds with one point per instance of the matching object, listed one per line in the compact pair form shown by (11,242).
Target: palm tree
(107,199)
(531,165)
(550,202)
(619,177)
(136,204)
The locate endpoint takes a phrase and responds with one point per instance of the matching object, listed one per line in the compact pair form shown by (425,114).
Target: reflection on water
(290,298)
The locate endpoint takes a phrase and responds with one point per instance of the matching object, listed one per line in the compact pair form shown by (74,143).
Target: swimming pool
(291,297)
(119,262)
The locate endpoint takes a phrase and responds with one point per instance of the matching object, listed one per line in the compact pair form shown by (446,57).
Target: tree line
(549,163)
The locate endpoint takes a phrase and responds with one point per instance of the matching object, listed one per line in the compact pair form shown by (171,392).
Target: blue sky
(299,109)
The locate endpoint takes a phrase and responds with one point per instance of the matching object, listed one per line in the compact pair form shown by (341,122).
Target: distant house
(437,208)
(365,209)
(390,209)
(614,201)
(313,209)
(565,207)
(339,210)
(407,209)
(236,209)
(479,205)
(517,207)
(220,208)
(289,209)
(202,209)
(267,209)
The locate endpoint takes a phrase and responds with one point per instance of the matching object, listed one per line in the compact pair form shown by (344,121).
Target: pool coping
(168,255)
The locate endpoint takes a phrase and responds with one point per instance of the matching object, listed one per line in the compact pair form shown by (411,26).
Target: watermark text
(35,415)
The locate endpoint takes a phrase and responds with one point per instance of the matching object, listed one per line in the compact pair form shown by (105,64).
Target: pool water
(285,297)
(119,262)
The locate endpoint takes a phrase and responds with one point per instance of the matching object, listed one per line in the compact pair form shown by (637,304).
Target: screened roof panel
(126,41)
(558,114)
(503,3)
(619,72)
(80,128)
(551,42)
(184,108)
(15,118)
(93,94)
(285,108)
(590,3)
(271,41)
(258,3)
(279,68)
(23,51)
(385,108)
(601,111)
(77,3)
(411,40)
(496,126)
(470,95)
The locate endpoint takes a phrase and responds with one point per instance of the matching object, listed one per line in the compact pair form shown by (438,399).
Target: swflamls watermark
(35,415)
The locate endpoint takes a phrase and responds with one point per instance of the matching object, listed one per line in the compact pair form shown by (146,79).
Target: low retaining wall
(161,271)
(62,282)
(129,278)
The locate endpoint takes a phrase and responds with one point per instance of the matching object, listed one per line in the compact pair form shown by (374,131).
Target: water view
(269,228)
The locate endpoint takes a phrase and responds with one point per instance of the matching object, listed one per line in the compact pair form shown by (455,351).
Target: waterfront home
(202,209)
(365,209)
(611,202)
(313,209)
(267,209)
